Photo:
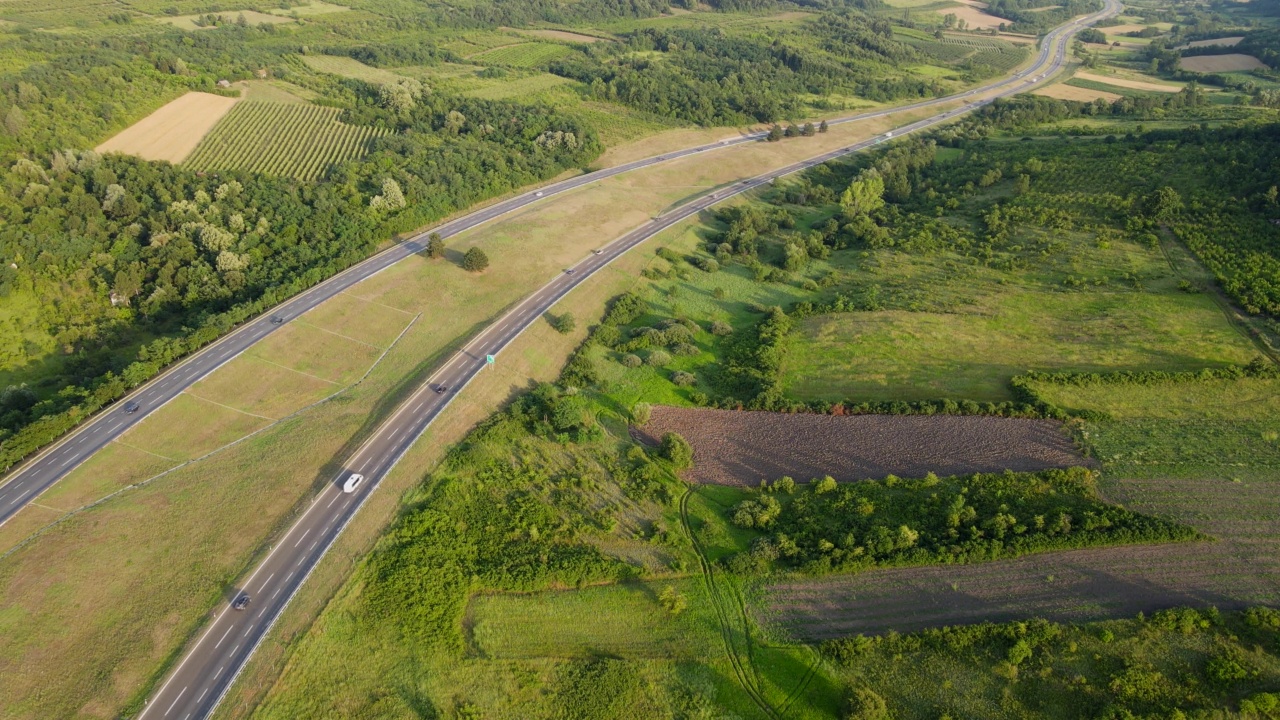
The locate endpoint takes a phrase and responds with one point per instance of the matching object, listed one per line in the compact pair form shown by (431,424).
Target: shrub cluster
(841,527)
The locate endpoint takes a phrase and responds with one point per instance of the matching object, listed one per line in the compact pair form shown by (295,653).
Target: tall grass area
(1177,663)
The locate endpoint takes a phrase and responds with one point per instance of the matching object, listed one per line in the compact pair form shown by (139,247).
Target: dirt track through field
(741,448)
(1240,569)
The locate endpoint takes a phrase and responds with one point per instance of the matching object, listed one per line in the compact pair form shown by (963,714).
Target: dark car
(131,407)
(241,602)
(441,389)
(276,320)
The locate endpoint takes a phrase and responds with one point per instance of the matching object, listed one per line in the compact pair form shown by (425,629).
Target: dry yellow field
(1126,83)
(1067,92)
(1222,63)
(974,17)
(173,131)
(188,22)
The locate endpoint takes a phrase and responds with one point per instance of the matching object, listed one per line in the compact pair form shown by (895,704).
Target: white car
(352,483)
(538,194)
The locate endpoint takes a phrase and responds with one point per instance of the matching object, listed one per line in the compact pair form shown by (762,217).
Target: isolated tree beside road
(775,133)
(475,260)
(435,246)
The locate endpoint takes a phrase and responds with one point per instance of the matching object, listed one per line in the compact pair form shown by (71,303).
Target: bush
(683,379)
(631,360)
(658,358)
(640,414)
(686,349)
(678,450)
(721,328)
(864,704)
(825,485)
(709,265)
(564,324)
(475,260)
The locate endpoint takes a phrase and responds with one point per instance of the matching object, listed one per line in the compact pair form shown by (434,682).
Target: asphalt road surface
(37,475)
(211,664)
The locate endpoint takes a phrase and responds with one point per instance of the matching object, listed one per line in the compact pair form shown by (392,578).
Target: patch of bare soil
(742,448)
(1240,569)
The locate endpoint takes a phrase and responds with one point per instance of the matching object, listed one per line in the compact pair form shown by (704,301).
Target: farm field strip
(294,140)
(741,448)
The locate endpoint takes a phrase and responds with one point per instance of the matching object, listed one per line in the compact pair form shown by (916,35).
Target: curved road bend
(35,476)
(207,671)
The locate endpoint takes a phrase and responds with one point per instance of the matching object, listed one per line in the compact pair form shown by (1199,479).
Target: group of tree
(711,77)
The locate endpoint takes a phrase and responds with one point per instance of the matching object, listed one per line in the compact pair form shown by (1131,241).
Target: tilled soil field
(742,448)
(1240,569)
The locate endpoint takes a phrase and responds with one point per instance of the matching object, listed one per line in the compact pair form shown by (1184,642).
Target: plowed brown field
(741,448)
(1240,569)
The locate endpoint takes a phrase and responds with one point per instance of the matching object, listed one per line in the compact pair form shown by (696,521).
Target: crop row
(999,59)
(946,52)
(292,140)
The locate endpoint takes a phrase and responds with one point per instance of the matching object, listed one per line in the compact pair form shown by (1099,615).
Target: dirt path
(741,448)
(1240,569)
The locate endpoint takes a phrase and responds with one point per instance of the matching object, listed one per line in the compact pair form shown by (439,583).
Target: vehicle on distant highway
(568,271)
(241,602)
(442,389)
(538,194)
(352,483)
(598,251)
(276,320)
(131,407)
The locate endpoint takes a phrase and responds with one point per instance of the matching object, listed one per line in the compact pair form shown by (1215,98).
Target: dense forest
(708,77)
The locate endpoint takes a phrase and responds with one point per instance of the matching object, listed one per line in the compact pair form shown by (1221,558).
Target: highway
(32,478)
(194,688)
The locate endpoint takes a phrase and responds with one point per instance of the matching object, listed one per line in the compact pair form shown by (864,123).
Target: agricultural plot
(1062,91)
(1201,453)
(1130,83)
(743,448)
(300,141)
(349,67)
(172,132)
(531,54)
(1232,62)
(191,22)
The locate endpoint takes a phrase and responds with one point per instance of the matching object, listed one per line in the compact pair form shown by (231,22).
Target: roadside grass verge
(624,621)
(190,426)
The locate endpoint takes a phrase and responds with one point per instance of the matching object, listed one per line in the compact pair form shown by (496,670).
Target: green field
(1025,322)
(625,621)
(291,140)
(530,54)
